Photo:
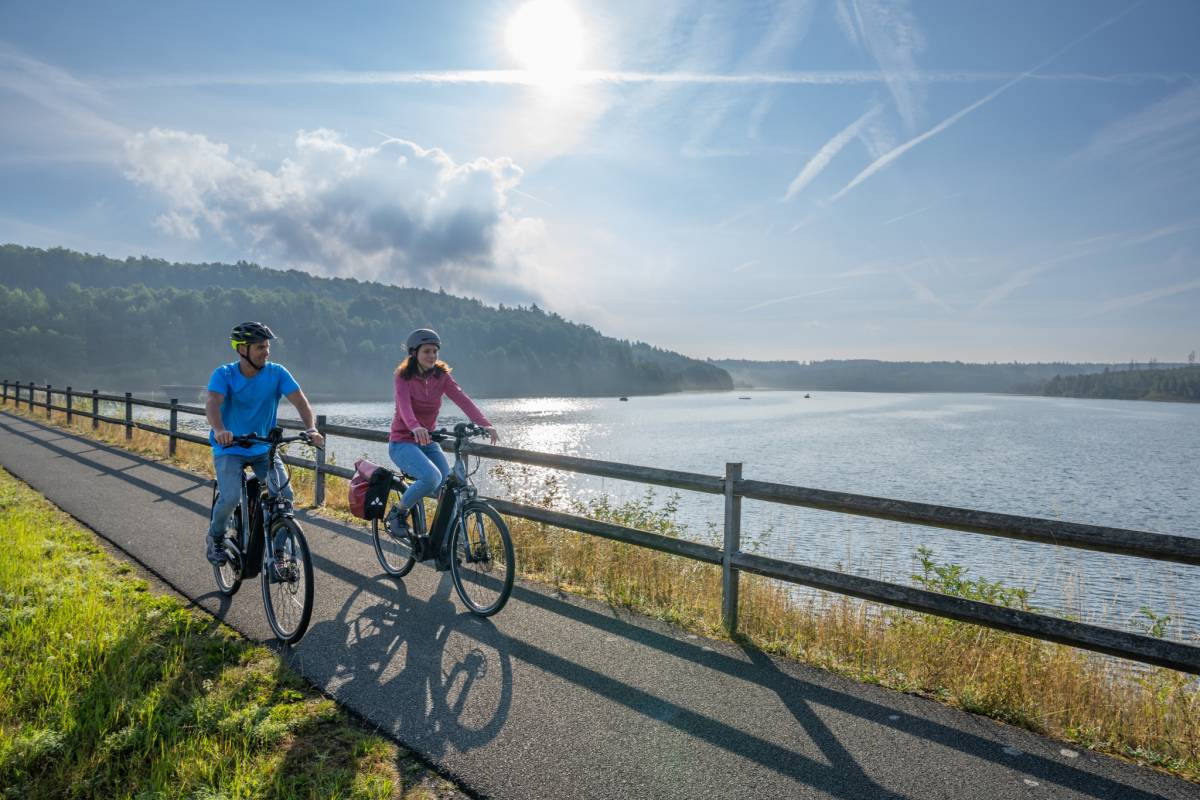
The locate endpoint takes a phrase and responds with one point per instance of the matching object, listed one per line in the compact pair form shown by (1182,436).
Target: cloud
(1087,247)
(908,214)
(683,77)
(895,153)
(395,212)
(789,298)
(1164,130)
(1142,297)
(56,90)
(889,33)
(1163,232)
(864,272)
(830,149)
(924,293)
(889,157)
(784,24)
(1024,277)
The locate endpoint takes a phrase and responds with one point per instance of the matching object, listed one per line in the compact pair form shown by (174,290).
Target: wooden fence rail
(730,558)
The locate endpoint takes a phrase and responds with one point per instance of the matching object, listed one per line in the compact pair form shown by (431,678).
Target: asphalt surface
(557,697)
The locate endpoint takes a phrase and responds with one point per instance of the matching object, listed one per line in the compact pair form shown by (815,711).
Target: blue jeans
(426,464)
(229,490)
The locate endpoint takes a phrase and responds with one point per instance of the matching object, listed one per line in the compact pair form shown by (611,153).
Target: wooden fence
(729,557)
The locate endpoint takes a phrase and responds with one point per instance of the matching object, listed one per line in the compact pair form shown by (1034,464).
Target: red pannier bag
(369,490)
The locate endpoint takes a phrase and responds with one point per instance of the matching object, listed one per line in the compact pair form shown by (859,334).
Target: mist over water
(1114,463)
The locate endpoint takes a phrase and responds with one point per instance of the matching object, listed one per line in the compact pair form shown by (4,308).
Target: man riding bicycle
(243,397)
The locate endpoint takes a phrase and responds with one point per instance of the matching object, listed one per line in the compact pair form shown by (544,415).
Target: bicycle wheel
(481,559)
(287,584)
(229,572)
(395,553)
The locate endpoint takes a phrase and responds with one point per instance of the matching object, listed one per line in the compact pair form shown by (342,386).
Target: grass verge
(109,690)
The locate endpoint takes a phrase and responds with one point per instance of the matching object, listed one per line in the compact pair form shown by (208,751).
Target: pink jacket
(419,400)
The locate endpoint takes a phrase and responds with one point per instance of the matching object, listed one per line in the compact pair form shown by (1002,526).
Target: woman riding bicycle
(421,381)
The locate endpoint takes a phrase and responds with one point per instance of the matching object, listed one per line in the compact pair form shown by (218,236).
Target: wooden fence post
(6,391)
(31,397)
(48,403)
(128,415)
(68,405)
(733,539)
(174,427)
(95,409)
(319,482)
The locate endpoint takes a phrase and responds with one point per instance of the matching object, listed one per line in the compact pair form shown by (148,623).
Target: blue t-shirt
(250,403)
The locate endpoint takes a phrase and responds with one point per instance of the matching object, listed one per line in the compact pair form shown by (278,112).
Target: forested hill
(1179,385)
(69,317)
(900,376)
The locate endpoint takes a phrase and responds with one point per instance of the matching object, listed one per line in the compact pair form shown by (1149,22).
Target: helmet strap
(245,357)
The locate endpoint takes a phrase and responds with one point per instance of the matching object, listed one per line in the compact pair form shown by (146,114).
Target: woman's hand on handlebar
(491,432)
(421,435)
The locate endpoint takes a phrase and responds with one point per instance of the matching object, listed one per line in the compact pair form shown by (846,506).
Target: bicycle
(285,568)
(468,536)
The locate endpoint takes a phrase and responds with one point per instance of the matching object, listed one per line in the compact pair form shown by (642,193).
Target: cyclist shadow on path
(437,679)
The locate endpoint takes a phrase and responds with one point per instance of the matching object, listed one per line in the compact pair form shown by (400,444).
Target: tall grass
(1151,716)
(111,691)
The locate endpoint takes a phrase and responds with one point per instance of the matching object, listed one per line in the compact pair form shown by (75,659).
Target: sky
(803,179)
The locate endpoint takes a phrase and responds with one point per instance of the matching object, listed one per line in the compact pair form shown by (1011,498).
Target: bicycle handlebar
(247,439)
(463,430)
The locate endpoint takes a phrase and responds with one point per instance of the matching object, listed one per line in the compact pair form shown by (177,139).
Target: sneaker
(216,551)
(397,523)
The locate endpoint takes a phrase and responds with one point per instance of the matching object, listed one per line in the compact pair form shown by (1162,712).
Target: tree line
(866,375)
(137,324)
(1180,384)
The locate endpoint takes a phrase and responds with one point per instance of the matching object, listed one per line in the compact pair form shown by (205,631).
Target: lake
(1105,462)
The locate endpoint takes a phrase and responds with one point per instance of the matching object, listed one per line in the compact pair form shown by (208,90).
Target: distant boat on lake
(743,398)
(624,399)
(806,395)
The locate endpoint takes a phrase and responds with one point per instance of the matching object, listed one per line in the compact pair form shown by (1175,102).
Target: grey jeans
(229,477)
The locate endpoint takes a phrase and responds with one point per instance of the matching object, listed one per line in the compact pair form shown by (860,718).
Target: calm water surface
(1114,463)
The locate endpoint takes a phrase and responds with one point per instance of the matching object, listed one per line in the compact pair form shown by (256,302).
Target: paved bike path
(556,697)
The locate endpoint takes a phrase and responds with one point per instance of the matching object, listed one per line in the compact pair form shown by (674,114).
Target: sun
(546,39)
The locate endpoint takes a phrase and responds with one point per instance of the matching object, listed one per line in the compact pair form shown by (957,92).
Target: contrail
(789,297)
(598,77)
(831,148)
(890,156)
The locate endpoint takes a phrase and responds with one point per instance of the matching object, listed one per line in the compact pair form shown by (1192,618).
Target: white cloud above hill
(396,212)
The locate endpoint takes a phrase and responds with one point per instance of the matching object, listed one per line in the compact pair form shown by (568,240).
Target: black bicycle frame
(259,507)
(450,500)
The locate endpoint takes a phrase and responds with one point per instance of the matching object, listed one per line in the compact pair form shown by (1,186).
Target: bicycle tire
(289,601)
(228,573)
(395,554)
(482,569)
